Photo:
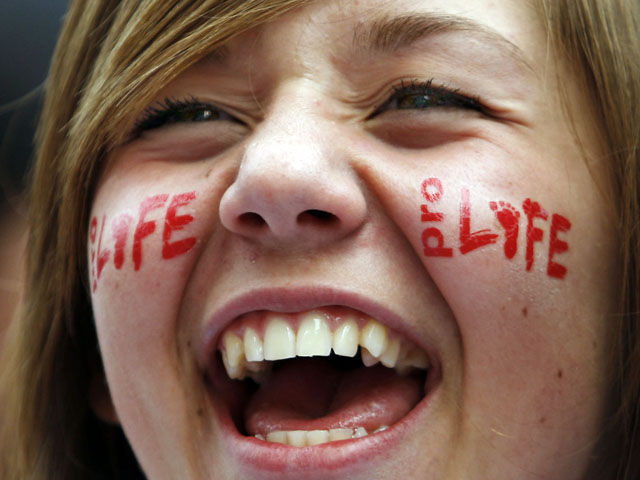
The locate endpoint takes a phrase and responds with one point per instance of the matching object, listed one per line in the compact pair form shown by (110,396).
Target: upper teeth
(244,351)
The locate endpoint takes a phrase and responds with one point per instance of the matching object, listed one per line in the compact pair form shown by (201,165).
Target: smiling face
(390,180)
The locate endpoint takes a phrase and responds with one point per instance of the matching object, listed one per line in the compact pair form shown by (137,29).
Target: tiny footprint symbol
(508,217)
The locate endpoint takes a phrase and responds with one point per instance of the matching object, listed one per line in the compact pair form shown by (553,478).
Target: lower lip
(275,460)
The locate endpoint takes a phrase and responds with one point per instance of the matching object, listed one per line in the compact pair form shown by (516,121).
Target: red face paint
(432,191)
(470,241)
(437,250)
(92,230)
(144,228)
(175,222)
(508,217)
(92,238)
(103,255)
(120,230)
(558,224)
(532,210)
(427,186)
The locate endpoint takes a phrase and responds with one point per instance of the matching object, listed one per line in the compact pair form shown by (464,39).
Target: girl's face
(392,178)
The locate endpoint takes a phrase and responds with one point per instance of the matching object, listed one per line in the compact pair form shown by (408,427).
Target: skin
(522,354)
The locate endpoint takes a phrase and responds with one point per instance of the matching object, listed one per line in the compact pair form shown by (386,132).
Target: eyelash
(429,95)
(425,95)
(172,110)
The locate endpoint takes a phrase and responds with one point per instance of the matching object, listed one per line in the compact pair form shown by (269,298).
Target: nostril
(318,217)
(251,219)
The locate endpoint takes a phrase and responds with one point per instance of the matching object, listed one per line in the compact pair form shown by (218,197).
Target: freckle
(188,343)
(559,374)
(543,419)
(525,312)
(200,412)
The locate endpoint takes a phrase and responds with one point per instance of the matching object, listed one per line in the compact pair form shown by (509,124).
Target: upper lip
(299,299)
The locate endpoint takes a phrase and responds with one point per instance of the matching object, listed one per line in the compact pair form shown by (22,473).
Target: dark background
(28,31)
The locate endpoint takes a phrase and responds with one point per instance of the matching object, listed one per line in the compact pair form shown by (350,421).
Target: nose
(293,188)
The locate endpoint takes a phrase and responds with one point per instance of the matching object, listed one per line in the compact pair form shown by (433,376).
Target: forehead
(347,31)
(346,46)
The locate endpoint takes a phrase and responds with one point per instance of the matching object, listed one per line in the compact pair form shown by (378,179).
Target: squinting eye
(420,96)
(171,111)
(420,100)
(199,114)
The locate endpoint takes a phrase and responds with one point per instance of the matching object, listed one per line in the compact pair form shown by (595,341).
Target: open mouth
(326,375)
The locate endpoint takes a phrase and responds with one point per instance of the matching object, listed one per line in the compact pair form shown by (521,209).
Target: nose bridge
(294,153)
(294,184)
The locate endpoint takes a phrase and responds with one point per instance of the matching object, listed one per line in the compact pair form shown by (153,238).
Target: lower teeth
(304,438)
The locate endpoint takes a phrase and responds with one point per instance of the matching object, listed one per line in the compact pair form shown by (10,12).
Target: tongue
(314,394)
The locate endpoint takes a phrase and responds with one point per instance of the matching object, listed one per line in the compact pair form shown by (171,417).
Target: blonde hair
(111,60)
(602,39)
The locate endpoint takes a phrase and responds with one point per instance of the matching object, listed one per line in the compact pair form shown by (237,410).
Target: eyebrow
(389,34)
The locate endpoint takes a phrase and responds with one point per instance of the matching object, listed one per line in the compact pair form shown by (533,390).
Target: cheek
(515,228)
(140,253)
(148,224)
(142,249)
(512,269)
(157,230)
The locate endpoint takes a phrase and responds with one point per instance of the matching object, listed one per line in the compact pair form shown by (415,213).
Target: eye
(171,111)
(426,95)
